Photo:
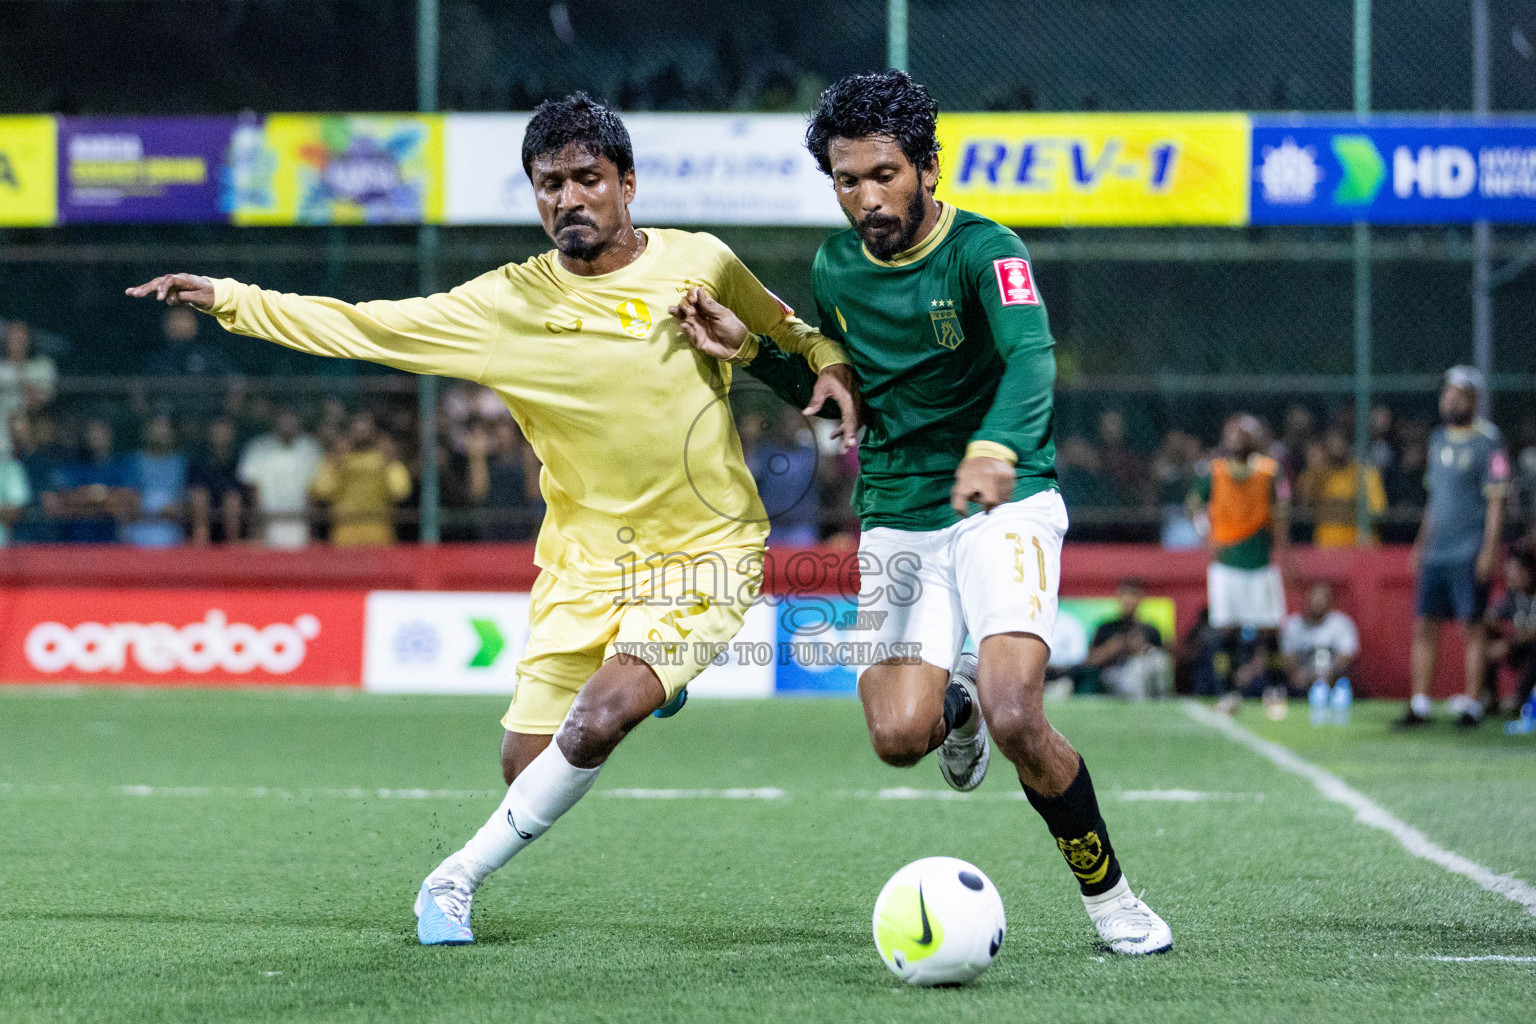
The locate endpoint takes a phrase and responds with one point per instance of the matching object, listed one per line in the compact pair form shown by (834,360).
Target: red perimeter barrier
(1374,586)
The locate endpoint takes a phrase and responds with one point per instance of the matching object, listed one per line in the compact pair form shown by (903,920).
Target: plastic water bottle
(1339,703)
(1526,723)
(1317,702)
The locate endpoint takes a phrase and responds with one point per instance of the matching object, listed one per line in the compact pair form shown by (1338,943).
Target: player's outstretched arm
(717,331)
(449,334)
(178,290)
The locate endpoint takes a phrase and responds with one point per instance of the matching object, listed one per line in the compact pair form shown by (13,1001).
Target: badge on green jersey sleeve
(1015,282)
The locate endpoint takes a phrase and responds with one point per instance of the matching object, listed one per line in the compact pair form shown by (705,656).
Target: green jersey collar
(917,252)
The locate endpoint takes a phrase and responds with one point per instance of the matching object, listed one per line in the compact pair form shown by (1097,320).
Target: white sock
(546,789)
(1420,704)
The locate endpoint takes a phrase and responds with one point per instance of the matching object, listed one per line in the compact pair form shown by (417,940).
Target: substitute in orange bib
(1245,499)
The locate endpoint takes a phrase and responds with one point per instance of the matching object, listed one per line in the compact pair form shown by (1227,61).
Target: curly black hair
(580,119)
(887,103)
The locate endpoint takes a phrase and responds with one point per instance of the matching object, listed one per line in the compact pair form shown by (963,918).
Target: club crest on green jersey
(946,323)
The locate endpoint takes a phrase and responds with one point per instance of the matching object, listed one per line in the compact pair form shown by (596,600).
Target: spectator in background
(1126,470)
(279,467)
(1329,492)
(1524,483)
(1513,624)
(27,381)
(159,474)
(1291,450)
(332,426)
(1404,480)
(213,487)
(182,354)
(1080,473)
(1383,453)
(1319,643)
(34,450)
(1457,550)
(1127,654)
(15,494)
(781,456)
(1173,476)
(504,480)
(91,494)
(362,481)
(465,407)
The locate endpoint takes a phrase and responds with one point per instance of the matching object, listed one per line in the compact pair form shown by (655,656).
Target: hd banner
(1421,170)
(1098,170)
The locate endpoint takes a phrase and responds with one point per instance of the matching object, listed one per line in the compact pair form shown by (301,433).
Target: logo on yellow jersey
(634,317)
(946,323)
(554,327)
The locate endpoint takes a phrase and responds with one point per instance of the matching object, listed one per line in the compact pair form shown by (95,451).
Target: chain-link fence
(1161,332)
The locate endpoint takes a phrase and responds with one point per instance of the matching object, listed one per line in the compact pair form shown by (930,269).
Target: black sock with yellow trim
(1081,835)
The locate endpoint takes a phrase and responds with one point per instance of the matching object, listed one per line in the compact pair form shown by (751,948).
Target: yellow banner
(339,169)
(29,171)
(1066,170)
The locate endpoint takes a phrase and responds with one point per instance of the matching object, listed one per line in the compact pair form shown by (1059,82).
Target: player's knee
(900,742)
(591,731)
(1019,732)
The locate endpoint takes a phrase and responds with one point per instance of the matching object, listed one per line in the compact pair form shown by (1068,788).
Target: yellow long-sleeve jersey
(640,452)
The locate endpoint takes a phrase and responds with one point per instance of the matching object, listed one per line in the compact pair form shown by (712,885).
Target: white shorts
(1245,597)
(990,573)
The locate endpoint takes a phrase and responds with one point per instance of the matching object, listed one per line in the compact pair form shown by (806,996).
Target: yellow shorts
(675,620)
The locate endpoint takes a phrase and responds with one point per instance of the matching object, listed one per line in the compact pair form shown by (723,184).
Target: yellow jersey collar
(640,264)
(923,248)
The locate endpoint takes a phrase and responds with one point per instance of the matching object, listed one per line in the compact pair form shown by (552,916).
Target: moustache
(879,220)
(573,220)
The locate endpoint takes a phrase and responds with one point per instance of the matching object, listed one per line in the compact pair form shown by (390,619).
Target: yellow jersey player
(652,547)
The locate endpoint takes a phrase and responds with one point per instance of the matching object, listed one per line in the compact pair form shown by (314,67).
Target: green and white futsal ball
(939,921)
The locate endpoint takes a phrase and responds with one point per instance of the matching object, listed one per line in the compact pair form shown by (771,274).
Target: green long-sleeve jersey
(953,349)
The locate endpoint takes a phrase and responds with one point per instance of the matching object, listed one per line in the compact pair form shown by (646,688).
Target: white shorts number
(991,573)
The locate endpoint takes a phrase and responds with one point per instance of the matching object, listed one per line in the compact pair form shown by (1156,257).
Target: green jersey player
(942,318)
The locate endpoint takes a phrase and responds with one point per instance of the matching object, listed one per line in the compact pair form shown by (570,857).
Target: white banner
(421,642)
(424,642)
(689,169)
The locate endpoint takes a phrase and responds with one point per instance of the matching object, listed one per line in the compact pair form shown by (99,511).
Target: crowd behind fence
(185,457)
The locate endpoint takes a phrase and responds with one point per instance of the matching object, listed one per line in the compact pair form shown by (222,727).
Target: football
(939,921)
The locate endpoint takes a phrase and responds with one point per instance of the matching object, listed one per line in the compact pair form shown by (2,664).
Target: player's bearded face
(883,195)
(886,234)
(578,236)
(582,200)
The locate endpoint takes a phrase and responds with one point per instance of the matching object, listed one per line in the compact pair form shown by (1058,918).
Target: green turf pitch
(259,875)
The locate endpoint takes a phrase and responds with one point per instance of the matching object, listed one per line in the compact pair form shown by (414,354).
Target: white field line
(1483,959)
(1368,811)
(764,793)
(741,793)
(1182,796)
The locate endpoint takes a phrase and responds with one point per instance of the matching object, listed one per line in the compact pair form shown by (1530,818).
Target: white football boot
(443,906)
(1126,924)
(964,754)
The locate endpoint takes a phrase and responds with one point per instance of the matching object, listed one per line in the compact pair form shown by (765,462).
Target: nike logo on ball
(922,908)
